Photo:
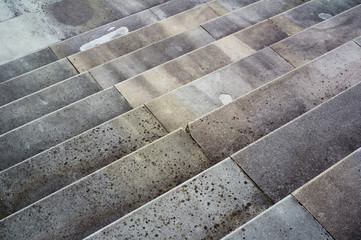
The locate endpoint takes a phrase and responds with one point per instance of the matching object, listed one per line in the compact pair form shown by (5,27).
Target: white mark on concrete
(324,16)
(111,29)
(117,33)
(225,98)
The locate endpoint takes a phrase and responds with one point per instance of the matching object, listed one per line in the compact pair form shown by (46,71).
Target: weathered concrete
(311,13)
(111,192)
(287,158)
(232,127)
(50,99)
(143,37)
(25,64)
(103,34)
(35,80)
(5,12)
(176,73)
(285,220)
(207,206)
(334,198)
(51,170)
(185,104)
(54,128)
(151,56)
(232,5)
(306,45)
(174,7)
(358,41)
(247,16)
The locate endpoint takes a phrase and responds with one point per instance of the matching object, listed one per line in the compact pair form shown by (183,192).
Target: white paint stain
(225,98)
(117,33)
(324,16)
(111,29)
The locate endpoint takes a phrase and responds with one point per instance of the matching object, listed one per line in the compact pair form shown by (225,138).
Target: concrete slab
(54,128)
(111,192)
(358,41)
(151,56)
(311,13)
(233,127)
(5,12)
(51,170)
(306,45)
(334,198)
(26,64)
(285,220)
(287,158)
(142,37)
(176,73)
(173,7)
(185,104)
(103,34)
(232,5)
(247,16)
(50,99)
(207,206)
(35,80)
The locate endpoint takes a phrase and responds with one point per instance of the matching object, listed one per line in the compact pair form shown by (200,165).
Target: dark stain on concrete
(73,13)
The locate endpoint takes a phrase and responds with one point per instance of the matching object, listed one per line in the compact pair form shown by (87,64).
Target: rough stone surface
(102,34)
(176,73)
(151,56)
(287,158)
(5,12)
(69,161)
(232,5)
(358,41)
(247,16)
(306,45)
(35,80)
(206,207)
(334,198)
(111,192)
(285,220)
(38,104)
(232,127)
(185,104)
(54,128)
(174,7)
(143,37)
(311,13)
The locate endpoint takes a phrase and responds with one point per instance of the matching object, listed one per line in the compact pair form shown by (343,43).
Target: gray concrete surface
(5,12)
(285,220)
(53,169)
(50,99)
(173,7)
(111,192)
(334,198)
(151,56)
(52,129)
(234,126)
(206,207)
(290,156)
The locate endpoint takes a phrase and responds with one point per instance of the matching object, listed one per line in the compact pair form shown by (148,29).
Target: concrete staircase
(200,119)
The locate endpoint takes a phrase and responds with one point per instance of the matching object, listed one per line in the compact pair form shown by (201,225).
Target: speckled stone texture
(317,40)
(35,80)
(54,128)
(234,126)
(108,194)
(358,41)
(185,104)
(285,220)
(71,160)
(206,207)
(38,104)
(143,37)
(334,198)
(287,158)
(247,16)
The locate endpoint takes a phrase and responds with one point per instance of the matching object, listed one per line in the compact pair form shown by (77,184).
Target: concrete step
(244,17)
(207,206)
(248,118)
(285,220)
(38,104)
(334,198)
(145,36)
(53,169)
(198,98)
(5,12)
(35,80)
(93,202)
(56,127)
(287,158)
